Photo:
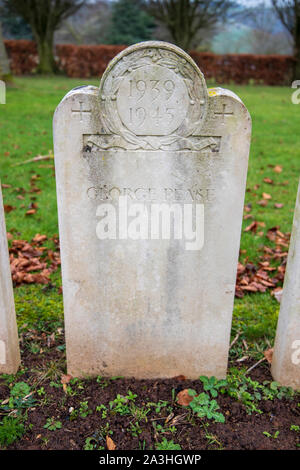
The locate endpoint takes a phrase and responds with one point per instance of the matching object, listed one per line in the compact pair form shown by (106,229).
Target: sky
(251,3)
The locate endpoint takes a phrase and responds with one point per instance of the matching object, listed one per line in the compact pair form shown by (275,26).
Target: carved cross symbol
(224,113)
(80,111)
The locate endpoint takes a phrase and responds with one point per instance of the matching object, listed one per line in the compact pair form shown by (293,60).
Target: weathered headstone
(149,150)
(9,343)
(286,356)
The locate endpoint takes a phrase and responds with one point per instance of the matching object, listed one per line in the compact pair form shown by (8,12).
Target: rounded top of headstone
(153,89)
(163,45)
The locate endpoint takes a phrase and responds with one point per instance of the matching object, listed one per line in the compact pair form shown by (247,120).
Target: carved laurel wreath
(196,89)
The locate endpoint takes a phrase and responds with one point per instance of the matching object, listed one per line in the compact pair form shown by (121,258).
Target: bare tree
(87,26)
(185,18)
(262,42)
(44,17)
(264,35)
(288,12)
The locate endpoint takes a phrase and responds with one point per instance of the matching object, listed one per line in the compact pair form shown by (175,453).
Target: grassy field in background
(26,131)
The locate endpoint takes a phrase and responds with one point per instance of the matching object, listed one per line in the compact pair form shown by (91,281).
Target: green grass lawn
(26,131)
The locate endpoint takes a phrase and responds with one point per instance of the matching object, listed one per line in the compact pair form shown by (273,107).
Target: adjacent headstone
(286,356)
(9,343)
(151,171)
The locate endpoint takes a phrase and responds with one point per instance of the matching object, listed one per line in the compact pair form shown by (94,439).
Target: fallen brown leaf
(269,355)
(184,398)
(180,378)
(263,202)
(8,208)
(277,293)
(268,181)
(32,263)
(110,443)
(252,227)
(65,379)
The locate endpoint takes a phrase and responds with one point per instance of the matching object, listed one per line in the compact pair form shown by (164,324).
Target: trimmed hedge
(23,56)
(75,61)
(85,61)
(242,68)
(91,61)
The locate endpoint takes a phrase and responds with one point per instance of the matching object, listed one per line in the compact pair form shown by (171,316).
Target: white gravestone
(286,357)
(9,343)
(151,171)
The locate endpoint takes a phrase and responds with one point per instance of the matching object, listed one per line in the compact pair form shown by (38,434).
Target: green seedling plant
(78,382)
(204,407)
(89,444)
(45,441)
(74,387)
(103,410)
(52,425)
(123,404)
(41,391)
(159,405)
(135,429)
(69,391)
(142,445)
(212,385)
(34,348)
(11,429)
(73,414)
(92,444)
(55,385)
(167,445)
(238,387)
(103,383)
(164,430)
(20,398)
(103,432)
(275,435)
(271,390)
(9,379)
(84,409)
(250,392)
(140,413)
(211,438)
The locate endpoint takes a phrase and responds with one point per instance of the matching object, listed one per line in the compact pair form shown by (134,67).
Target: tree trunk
(46,57)
(4,62)
(296,74)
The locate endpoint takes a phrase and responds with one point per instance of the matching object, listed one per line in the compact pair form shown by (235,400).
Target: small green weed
(275,435)
(212,385)
(204,407)
(11,429)
(52,425)
(122,405)
(167,445)
(84,409)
